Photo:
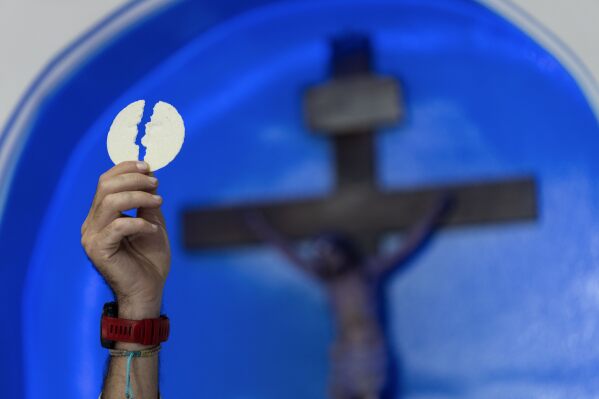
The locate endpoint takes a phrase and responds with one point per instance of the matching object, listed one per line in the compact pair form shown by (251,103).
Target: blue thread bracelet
(130,355)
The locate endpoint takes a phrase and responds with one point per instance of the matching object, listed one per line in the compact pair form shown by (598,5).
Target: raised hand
(131,253)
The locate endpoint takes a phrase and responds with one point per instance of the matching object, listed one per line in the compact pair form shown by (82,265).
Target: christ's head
(333,255)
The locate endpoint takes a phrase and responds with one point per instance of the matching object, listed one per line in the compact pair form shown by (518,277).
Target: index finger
(126,167)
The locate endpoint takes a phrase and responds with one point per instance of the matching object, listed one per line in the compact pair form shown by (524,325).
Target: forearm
(143,371)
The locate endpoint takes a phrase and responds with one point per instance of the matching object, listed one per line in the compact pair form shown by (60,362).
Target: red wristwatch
(145,332)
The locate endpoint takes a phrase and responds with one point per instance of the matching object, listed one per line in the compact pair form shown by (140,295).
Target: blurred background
(491,90)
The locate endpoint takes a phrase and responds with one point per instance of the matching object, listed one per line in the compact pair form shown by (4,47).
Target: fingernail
(157,197)
(154,227)
(153,181)
(142,166)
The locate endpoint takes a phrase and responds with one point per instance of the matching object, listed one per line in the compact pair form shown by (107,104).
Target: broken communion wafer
(163,138)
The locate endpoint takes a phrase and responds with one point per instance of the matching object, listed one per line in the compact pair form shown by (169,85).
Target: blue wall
(499,311)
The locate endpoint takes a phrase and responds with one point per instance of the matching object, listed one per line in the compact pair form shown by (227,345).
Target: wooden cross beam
(349,109)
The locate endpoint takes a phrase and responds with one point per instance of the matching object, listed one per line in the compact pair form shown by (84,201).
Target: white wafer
(163,139)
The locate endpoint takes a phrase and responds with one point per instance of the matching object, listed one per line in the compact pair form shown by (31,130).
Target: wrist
(132,309)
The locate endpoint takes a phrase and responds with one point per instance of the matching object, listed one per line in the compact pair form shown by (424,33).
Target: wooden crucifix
(346,226)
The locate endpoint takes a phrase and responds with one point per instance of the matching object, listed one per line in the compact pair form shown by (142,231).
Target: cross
(348,109)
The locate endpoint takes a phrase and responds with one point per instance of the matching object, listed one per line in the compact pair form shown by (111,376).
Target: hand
(131,253)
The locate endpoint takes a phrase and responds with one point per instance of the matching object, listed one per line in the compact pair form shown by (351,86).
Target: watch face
(110,309)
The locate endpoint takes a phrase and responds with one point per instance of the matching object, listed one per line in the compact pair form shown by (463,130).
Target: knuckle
(115,225)
(120,223)
(118,182)
(109,201)
(102,185)
(87,244)
(103,178)
(138,224)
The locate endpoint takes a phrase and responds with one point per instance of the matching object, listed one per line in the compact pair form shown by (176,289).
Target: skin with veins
(163,138)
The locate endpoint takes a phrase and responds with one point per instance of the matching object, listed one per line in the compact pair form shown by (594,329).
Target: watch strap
(145,332)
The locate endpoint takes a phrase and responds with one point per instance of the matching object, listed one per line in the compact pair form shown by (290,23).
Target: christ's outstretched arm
(267,233)
(417,237)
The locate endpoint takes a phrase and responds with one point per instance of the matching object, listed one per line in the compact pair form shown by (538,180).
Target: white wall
(33,31)
(572,23)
